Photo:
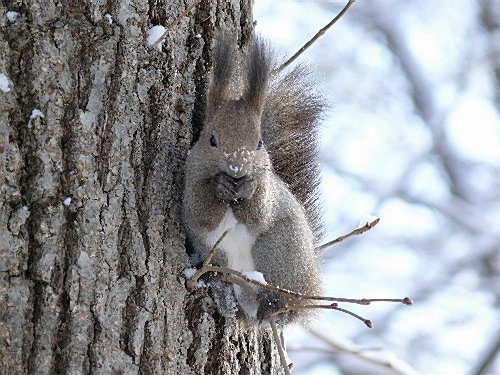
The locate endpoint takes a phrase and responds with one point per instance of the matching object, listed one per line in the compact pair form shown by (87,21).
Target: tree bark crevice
(92,284)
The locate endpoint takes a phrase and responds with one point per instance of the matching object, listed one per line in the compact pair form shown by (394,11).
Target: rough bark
(95,286)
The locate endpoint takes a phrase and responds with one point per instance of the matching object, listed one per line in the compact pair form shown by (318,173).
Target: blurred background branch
(413,137)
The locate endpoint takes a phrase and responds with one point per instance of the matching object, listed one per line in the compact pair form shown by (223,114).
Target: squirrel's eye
(213,141)
(260,144)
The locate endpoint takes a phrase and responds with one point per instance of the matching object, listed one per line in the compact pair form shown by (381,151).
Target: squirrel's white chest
(237,244)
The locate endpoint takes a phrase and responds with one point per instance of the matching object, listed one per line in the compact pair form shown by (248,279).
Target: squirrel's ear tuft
(258,72)
(223,66)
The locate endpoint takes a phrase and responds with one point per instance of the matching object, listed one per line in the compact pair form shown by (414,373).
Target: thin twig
(355,232)
(191,282)
(241,280)
(211,254)
(332,306)
(395,366)
(281,350)
(175,22)
(241,283)
(367,322)
(314,38)
(362,301)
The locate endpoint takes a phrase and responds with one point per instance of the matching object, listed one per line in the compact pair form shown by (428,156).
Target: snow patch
(201,284)
(188,272)
(109,17)
(36,113)
(67,201)
(367,220)
(256,276)
(154,34)
(4,83)
(12,16)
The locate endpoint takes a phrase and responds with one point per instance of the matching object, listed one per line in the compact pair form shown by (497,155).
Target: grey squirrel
(254,170)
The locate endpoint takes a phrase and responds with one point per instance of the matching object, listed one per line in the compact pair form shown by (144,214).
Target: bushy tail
(290,132)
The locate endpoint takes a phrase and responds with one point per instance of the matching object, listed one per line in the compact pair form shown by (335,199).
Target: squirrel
(254,171)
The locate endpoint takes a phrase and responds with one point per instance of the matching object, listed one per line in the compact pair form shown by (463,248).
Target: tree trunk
(91,244)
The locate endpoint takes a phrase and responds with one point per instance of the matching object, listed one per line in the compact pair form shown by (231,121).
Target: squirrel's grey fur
(254,171)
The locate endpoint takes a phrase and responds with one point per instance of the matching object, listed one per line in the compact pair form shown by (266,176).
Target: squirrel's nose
(236,170)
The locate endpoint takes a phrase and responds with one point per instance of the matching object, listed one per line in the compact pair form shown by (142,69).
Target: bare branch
(193,280)
(396,366)
(238,278)
(332,306)
(423,96)
(281,350)
(241,283)
(314,38)
(175,22)
(289,293)
(488,357)
(355,232)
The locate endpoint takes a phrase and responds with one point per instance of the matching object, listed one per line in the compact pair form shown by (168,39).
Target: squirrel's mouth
(233,190)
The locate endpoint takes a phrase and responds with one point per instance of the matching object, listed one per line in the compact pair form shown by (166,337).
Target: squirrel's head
(234,139)
(230,147)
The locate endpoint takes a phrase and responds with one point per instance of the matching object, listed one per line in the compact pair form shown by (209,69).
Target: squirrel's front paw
(269,304)
(232,189)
